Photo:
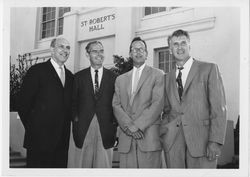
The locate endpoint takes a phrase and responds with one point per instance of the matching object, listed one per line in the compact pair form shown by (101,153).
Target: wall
(221,45)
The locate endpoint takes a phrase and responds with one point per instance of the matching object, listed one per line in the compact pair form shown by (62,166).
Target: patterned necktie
(179,82)
(62,75)
(96,84)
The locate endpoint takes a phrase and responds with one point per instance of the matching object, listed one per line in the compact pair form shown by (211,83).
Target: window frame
(168,10)
(56,26)
(171,62)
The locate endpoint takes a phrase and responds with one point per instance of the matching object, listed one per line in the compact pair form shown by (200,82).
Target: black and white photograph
(135,88)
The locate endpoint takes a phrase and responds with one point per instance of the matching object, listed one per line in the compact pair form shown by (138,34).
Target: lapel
(144,75)
(66,77)
(173,83)
(191,74)
(129,83)
(54,73)
(90,82)
(103,82)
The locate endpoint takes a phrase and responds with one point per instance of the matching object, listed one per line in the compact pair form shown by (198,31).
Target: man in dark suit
(195,109)
(45,109)
(94,125)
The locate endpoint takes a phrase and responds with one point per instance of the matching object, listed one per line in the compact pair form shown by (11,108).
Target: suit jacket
(202,111)
(45,108)
(85,106)
(145,110)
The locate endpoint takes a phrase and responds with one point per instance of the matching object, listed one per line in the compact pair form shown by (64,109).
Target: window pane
(60,12)
(43,34)
(161,9)
(161,66)
(147,10)
(154,10)
(60,30)
(48,17)
(53,14)
(44,10)
(161,57)
(60,26)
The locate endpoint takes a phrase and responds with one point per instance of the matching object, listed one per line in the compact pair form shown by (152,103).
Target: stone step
(18,165)
(17,159)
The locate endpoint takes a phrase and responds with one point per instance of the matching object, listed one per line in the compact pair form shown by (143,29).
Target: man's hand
(138,135)
(127,131)
(133,131)
(213,150)
(132,128)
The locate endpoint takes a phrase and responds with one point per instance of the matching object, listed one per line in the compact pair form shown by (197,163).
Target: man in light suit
(45,109)
(94,125)
(137,104)
(194,121)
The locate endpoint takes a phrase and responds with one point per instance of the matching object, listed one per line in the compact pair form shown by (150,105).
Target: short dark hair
(178,33)
(87,48)
(137,39)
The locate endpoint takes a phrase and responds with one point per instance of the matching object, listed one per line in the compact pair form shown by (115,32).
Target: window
(52,21)
(165,61)
(153,10)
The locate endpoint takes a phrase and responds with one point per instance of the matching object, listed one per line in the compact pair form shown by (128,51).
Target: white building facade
(214,33)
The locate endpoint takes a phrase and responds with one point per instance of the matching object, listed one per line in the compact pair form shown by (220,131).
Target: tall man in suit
(45,109)
(138,103)
(94,125)
(194,120)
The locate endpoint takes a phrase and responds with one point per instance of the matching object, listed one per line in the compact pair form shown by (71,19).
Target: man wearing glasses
(94,125)
(137,104)
(45,109)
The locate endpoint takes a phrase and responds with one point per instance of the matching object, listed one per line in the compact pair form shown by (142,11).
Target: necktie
(179,82)
(135,84)
(62,75)
(96,84)
(136,80)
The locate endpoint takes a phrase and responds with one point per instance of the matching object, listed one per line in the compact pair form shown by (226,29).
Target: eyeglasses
(63,47)
(182,44)
(96,52)
(136,50)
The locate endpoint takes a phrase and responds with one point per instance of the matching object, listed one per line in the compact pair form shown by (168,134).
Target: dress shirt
(57,68)
(133,76)
(185,70)
(100,72)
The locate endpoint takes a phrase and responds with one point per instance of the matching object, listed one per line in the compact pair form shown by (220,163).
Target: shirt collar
(55,65)
(187,64)
(100,70)
(141,67)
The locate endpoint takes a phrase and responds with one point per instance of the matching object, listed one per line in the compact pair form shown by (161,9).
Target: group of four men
(183,111)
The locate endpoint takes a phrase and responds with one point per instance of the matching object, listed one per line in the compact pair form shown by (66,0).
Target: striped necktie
(179,82)
(96,84)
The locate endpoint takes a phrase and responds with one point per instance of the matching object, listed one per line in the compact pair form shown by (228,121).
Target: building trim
(191,26)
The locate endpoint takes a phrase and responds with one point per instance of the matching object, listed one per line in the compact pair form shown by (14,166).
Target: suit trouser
(179,156)
(43,159)
(136,158)
(93,154)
